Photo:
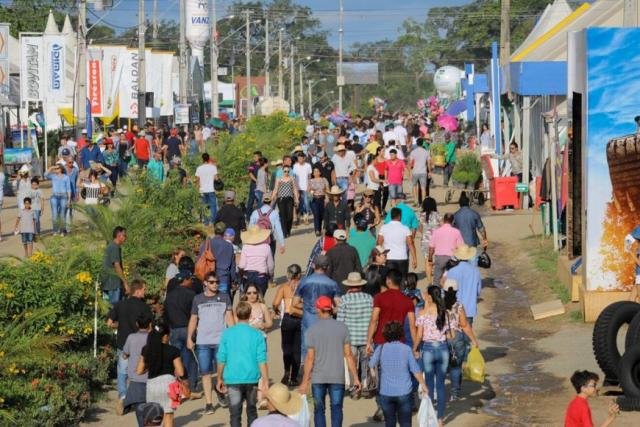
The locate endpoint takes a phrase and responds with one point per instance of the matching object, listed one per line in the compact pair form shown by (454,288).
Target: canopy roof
(553,14)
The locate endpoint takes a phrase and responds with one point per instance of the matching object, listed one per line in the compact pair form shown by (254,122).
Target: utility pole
(292,69)
(280,72)
(182,61)
(267,60)
(81,95)
(155,19)
(340,76)
(505,39)
(215,105)
(142,78)
(309,112)
(247,14)
(301,91)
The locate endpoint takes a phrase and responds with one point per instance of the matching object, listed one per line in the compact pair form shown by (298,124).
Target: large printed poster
(612,156)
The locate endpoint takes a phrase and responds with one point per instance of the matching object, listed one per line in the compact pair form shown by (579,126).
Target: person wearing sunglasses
(285,192)
(211,312)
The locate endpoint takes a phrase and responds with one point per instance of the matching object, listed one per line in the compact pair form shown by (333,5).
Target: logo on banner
(32,57)
(56,66)
(95,87)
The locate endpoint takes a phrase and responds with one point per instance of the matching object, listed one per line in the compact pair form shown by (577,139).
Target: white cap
(84,131)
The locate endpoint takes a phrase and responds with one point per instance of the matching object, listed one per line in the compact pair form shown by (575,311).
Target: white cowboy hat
(464,252)
(354,279)
(254,235)
(24,169)
(334,190)
(285,401)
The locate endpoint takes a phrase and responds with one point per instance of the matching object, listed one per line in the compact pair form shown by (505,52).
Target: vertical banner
(165,99)
(4,60)
(31,68)
(112,63)
(128,95)
(4,41)
(54,67)
(94,81)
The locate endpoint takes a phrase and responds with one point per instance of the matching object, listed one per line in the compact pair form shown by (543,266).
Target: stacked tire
(623,369)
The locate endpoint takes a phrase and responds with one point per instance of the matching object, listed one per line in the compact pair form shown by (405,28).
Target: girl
(112,161)
(380,164)
(172,268)
(318,186)
(93,187)
(285,193)
(429,220)
(369,211)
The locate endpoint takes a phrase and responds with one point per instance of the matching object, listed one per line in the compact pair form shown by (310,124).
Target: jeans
(209,199)
(113,295)
(237,394)
(122,168)
(68,215)
(396,409)
(362,361)
(58,207)
(317,207)
(336,396)
(258,195)
(259,279)
(439,262)
(36,218)
(142,163)
(305,204)
(114,174)
(251,200)
(206,354)
(402,265)
(291,329)
(447,172)
(395,190)
(178,339)
(122,366)
(343,183)
(435,360)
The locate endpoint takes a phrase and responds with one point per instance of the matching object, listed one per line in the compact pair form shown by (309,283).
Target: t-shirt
(173,147)
(210,311)
(401,135)
(141,148)
(126,313)
(364,242)
(206,173)
(394,306)
(325,170)
(389,135)
(275,420)
(36,198)
(133,348)
(242,350)
(420,157)
(395,239)
(26,221)
(327,337)
(109,278)
(314,286)
(168,354)
(395,171)
(578,413)
(371,169)
(344,165)
(177,307)
(302,173)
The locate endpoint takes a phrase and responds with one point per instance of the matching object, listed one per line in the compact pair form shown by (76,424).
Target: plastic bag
(474,368)
(303,417)
(427,416)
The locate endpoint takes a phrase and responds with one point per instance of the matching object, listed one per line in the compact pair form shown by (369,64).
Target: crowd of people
(354,321)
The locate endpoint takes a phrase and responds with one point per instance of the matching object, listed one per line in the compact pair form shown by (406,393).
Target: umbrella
(448,122)
(457,107)
(216,123)
(337,119)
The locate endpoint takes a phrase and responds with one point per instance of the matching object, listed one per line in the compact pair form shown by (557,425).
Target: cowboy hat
(276,162)
(381,250)
(334,191)
(464,252)
(369,192)
(285,401)
(254,235)
(24,170)
(354,279)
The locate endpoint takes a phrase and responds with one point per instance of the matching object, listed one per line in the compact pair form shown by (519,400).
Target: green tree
(31,15)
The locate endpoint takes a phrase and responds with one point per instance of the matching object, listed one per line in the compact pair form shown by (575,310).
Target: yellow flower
(87,330)
(1,400)
(1,353)
(47,328)
(84,277)
(3,286)
(9,295)
(71,331)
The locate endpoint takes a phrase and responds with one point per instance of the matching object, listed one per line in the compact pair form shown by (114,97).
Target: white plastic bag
(427,416)
(303,417)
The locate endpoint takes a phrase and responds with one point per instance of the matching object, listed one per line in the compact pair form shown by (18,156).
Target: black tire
(629,371)
(633,333)
(628,403)
(605,333)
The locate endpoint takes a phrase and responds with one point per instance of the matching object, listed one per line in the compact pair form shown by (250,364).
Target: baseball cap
(66,152)
(340,235)
(229,232)
(324,303)
(183,275)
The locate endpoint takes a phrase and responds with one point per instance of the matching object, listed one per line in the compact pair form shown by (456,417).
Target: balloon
(447,80)
(448,122)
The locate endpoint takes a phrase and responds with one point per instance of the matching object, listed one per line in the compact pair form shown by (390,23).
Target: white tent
(553,14)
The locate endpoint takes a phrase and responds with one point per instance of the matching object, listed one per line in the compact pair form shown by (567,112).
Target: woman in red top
(380,163)
(142,149)
(578,412)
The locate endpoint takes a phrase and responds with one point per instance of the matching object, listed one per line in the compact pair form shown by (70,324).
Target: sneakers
(120,407)
(223,400)
(208,409)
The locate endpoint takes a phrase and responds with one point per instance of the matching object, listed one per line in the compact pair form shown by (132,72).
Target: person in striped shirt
(355,312)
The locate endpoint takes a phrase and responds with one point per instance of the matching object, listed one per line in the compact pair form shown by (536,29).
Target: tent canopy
(553,14)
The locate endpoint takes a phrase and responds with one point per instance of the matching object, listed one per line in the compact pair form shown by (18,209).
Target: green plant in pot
(468,169)
(438,151)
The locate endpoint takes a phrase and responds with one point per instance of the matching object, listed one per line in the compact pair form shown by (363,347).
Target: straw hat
(464,252)
(285,401)
(354,279)
(450,283)
(369,192)
(24,170)
(335,191)
(340,147)
(276,162)
(254,235)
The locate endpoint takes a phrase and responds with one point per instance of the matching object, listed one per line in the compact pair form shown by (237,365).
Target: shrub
(468,168)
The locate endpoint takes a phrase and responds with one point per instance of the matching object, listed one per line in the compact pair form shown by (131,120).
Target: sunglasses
(285,170)
(212,281)
(252,293)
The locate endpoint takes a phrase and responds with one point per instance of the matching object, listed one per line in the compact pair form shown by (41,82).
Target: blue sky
(365,20)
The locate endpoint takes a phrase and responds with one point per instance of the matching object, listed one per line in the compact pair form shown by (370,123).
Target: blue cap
(230,232)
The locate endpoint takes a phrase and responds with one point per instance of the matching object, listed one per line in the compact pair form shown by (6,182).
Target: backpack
(206,262)
(264,221)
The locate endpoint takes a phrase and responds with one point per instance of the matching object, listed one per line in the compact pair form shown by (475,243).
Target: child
(26,226)
(578,412)
(23,185)
(36,204)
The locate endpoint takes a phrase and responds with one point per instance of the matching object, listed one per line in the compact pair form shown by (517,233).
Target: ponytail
(436,295)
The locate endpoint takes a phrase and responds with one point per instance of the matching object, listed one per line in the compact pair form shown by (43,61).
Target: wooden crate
(593,302)
(571,281)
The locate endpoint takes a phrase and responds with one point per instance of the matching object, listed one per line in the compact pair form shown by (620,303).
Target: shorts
(420,178)
(206,354)
(395,190)
(27,238)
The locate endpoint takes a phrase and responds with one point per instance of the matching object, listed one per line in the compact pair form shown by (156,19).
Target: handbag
(454,360)
(484,260)
(218,184)
(206,262)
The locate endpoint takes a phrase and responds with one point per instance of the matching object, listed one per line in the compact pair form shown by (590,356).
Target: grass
(545,260)
(576,316)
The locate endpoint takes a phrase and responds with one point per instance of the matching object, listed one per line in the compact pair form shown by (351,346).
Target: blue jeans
(113,295)
(317,207)
(122,366)
(122,168)
(396,409)
(207,358)
(258,195)
(209,199)
(435,360)
(343,183)
(251,199)
(460,345)
(239,393)
(336,396)
(305,204)
(58,207)
(178,339)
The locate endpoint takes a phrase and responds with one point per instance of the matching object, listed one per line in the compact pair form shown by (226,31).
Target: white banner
(31,69)
(112,64)
(129,86)
(181,114)
(54,68)
(154,76)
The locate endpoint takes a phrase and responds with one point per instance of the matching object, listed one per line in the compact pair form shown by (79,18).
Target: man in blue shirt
(225,258)
(408,218)
(470,225)
(467,275)
(90,153)
(309,290)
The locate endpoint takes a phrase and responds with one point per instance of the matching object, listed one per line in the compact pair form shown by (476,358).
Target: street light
(320,98)
(311,84)
(302,68)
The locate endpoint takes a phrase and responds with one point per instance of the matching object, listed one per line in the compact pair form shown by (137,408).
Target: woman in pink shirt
(444,241)
(256,260)
(394,175)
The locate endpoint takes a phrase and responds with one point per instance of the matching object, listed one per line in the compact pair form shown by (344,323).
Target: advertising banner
(94,81)
(164,100)
(4,76)
(31,68)
(181,114)
(112,63)
(4,41)
(611,155)
(128,94)
(54,68)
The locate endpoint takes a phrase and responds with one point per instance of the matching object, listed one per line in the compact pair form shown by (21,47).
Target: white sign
(31,69)
(112,64)
(129,86)
(222,71)
(181,114)
(54,67)
(4,41)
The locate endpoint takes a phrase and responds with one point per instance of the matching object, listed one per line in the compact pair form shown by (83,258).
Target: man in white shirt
(389,134)
(398,239)
(205,176)
(420,164)
(206,133)
(302,172)
(401,136)
(393,146)
(344,164)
